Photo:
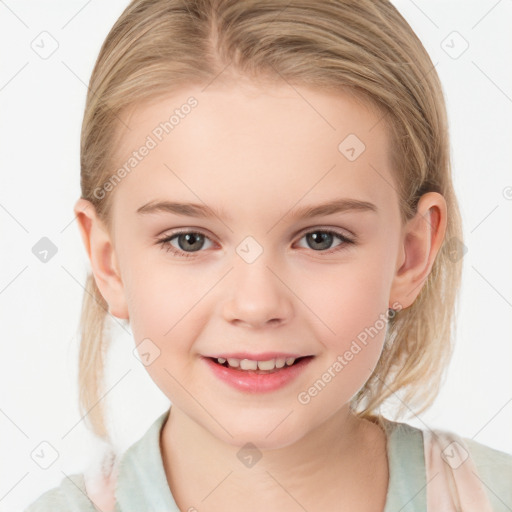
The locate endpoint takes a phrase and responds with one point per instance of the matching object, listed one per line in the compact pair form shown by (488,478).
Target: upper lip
(262,356)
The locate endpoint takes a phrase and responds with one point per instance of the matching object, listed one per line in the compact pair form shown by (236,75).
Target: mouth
(258,376)
(258,367)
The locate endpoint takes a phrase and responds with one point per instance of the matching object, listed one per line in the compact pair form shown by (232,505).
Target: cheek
(164,303)
(352,331)
(165,310)
(346,300)
(349,307)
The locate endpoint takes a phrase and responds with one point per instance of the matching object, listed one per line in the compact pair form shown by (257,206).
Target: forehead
(253,147)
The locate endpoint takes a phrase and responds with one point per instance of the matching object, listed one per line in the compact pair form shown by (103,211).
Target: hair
(361,47)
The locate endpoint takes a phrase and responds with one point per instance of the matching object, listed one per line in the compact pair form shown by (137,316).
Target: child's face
(258,155)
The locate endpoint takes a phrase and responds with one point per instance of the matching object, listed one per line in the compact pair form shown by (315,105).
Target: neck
(336,458)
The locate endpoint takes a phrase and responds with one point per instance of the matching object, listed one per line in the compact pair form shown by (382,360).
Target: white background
(42,102)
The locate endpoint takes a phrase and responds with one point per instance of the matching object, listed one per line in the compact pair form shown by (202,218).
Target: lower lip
(246,380)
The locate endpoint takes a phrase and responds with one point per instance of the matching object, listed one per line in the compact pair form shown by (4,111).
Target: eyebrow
(305,212)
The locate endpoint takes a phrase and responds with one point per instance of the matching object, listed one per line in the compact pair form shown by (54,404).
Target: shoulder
(486,457)
(136,476)
(69,496)
(403,438)
(494,470)
(493,467)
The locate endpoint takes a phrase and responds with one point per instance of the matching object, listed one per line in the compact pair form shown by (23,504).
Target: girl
(267,200)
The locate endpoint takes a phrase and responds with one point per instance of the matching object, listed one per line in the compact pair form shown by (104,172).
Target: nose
(257,295)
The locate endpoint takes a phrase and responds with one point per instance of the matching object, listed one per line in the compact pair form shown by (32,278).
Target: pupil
(190,239)
(320,237)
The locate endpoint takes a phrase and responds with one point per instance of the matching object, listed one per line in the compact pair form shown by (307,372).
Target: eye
(321,239)
(186,240)
(189,242)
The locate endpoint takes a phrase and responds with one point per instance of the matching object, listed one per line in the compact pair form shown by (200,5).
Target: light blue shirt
(142,483)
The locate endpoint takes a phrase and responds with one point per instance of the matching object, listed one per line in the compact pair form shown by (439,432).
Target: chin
(265,435)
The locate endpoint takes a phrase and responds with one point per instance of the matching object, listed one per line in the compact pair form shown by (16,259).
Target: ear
(100,250)
(421,240)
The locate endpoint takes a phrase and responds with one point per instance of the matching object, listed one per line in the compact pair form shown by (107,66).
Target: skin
(259,153)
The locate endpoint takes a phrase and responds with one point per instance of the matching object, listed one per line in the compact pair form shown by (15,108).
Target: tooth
(248,364)
(266,365)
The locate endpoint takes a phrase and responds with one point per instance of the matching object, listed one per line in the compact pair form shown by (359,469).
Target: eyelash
(165,242)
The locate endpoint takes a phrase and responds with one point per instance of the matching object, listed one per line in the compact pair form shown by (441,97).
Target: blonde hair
(364,47)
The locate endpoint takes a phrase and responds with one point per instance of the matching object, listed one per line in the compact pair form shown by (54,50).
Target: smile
(257,376)
(249,364)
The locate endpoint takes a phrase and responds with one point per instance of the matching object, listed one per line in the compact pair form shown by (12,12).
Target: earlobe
(422,238)
(102,257)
